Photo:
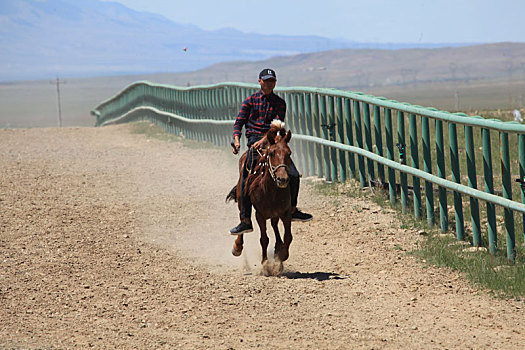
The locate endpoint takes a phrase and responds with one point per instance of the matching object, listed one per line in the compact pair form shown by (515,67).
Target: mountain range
(41,39)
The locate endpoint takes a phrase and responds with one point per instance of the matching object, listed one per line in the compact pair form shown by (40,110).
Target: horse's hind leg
(237,245)
(284,252)
(264,237)
(278,240)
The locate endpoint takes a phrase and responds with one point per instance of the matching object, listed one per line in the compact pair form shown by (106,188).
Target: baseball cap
(267,73)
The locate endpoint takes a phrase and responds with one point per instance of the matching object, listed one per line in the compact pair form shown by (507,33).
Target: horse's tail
(232,195)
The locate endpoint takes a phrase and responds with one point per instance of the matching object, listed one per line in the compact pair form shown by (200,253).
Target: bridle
(272,169)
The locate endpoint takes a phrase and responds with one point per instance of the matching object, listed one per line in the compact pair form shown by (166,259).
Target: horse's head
(278,153)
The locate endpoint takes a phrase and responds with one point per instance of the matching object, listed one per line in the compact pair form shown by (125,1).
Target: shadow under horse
(269,191)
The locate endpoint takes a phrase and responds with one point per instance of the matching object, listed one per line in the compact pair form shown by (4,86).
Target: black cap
(267,73)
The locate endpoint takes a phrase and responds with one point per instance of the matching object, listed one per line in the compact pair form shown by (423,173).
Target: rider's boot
(244,227)
(298,215)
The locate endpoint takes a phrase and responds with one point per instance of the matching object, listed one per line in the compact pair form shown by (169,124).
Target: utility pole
(57,83)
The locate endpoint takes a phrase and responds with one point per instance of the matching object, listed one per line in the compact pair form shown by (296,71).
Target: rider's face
(267,85)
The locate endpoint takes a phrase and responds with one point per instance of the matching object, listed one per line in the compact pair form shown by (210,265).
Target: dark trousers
(251,159)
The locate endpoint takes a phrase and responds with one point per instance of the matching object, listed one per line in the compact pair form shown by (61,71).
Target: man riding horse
(256,114)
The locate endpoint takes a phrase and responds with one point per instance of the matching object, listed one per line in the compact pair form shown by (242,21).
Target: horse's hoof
(271,269)
(235,251)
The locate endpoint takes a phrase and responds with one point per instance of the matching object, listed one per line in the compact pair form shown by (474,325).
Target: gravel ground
(110,239)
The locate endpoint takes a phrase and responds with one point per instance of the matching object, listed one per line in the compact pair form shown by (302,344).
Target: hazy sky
(429,21)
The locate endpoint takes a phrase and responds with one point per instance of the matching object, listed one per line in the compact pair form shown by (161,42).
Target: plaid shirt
(257,113)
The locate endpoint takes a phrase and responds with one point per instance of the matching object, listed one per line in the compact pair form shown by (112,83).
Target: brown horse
(267,186)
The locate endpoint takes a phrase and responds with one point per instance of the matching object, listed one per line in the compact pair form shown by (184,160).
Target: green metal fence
(340,135)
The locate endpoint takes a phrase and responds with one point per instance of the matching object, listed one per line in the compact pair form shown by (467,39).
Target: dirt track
(112,240)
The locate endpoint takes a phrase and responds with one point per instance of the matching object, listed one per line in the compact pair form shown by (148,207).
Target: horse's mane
(276,123)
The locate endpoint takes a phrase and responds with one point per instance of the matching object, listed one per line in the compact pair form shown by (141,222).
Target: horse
(267,186)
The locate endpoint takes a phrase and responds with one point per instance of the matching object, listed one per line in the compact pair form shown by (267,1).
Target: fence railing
(340,135)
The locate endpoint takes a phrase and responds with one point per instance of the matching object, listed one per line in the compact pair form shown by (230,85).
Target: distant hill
(40,39)
(472,77)
(369,69)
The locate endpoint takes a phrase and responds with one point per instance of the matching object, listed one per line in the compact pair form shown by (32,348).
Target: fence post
(454,162)
(295,126)
(507,193)
(340,122)
(224,102)
(310,131)
(390,155)
(427,160)
(379,142)
(473,183)
(359,141)
(521,142)
(288,97)
(402,159)
(293,116)
(441,172)
(332,122)
(349,136)
(368,141)
(324,121)
(301,123)
(489,188)
(316,119)
(414,155)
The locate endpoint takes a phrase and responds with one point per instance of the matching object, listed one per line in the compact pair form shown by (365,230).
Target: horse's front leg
(287,223)
(278,240)
(237,245)
(264,237)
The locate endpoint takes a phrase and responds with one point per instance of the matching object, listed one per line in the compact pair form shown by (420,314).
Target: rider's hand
(259,144)
(236,145)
